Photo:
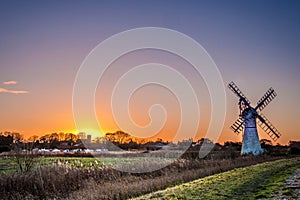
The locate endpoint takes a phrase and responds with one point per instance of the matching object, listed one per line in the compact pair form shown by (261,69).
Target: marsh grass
(87,178)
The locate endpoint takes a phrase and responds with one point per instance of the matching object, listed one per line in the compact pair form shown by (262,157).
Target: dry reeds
(65,181)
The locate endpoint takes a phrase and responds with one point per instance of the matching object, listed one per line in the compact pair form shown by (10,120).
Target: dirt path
(292,185)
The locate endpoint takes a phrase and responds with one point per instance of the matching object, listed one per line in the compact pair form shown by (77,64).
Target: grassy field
(261,181)
(9,165)
(89,178)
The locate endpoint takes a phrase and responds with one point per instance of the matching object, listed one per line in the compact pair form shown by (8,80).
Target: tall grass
(62,180)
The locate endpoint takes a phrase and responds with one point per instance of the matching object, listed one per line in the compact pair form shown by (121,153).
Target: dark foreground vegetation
(63,180)
(29,174)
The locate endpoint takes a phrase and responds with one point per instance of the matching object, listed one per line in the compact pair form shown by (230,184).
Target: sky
(256,44)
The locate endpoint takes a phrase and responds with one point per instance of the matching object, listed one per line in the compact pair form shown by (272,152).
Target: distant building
(82,135)
(89,138)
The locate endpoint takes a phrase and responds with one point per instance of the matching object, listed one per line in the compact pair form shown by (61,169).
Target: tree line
(14,140)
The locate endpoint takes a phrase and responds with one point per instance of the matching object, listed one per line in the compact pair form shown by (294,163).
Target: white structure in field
(251,142)
(247,121)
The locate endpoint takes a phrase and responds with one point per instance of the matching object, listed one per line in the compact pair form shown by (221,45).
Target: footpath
(293,186)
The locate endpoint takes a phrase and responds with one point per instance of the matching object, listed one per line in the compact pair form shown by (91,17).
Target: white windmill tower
(247,121)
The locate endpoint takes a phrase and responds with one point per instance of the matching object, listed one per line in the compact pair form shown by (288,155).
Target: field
(89,178)
(9,165)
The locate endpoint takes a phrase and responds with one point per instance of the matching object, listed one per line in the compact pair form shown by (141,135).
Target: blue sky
(42,44)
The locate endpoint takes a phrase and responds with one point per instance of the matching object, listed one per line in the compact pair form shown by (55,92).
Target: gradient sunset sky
(256,44)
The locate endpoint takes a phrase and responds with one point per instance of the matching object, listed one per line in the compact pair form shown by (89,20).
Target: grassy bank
(261,181)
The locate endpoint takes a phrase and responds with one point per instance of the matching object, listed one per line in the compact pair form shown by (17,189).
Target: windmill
(247,121)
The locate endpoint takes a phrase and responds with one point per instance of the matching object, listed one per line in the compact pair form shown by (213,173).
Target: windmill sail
(266,99)
(239,93)
(237,126)
(266,125)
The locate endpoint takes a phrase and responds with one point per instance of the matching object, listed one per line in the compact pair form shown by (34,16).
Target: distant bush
(295,151)
(4,148)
